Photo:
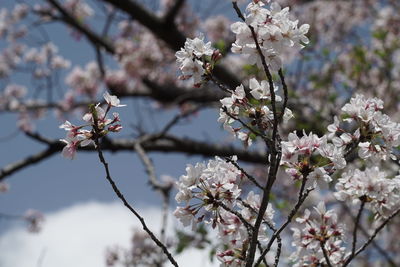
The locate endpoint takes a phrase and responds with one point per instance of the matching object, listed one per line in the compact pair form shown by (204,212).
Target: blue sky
(56,182)
(68,192)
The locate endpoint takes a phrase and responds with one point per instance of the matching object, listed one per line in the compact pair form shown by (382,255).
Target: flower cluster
(299,154)
(213,184)
(275,32)
(254,111)
(46,60)
(191,59)
(79,9)
(234,233)
(85,81)
(34,219)
(4,187)
(142,252)
(12,96)
(381,194)
(98,120)
(216,187)
(376,133)
(322,232)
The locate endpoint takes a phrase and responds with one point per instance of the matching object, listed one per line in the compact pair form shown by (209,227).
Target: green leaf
(221,46)
(380,35)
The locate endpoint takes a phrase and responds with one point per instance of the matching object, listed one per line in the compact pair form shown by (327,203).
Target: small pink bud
(216,56)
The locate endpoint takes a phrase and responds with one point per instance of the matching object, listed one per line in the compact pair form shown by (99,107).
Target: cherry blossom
(34,219)
(323,231)
(275,32)
(213,184)
(190,58)
(112,100)
(261,90)
(98,120)
(372,186)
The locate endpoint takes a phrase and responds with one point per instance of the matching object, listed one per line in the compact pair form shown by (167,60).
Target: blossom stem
(302,197)
(356,226)
(250,177)
(285,93)
(125,202)
(372,237)
(326,256)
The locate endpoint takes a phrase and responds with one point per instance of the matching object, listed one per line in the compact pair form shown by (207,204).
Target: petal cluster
(276,34)
(190,58)
(211,184)
(317,232)
(377,133)
(96,118)
(380,193)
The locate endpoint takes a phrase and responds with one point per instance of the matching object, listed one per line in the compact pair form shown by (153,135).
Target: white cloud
(79,235)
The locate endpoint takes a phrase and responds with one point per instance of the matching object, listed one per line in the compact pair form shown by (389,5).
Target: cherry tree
(307,92)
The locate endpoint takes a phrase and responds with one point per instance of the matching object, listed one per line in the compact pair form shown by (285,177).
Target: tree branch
(372,237)
(30,160)
(168,33)
(92,36)
(173,11)
(167,143)
(125,202)
(356,226)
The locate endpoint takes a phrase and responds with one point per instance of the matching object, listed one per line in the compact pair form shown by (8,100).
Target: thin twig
(285,94)
(250,177)
(374,244)
(268,141)
(326,256)
(221,86)
(301,198)
(266,70)
(372,237)
(176,119)
(92,36)
(150,168)
(272,228)
(248,226)
(356,226)
(125,202)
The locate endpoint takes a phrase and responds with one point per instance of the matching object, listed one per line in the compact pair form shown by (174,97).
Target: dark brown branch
(374,244)
(125,202)
(285,94)
(273,148)
(30,160)
(372,237)
(356,226)
(301,198)
(170,143)
(168,33)
(263,208)
(173,11)
(92,36)
(326,256)
(165,31)
(250,177)
(166,144)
